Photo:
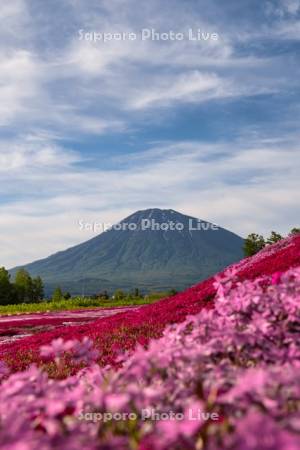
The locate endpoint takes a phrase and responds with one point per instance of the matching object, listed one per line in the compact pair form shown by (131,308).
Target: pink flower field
(18,326)
(215,367)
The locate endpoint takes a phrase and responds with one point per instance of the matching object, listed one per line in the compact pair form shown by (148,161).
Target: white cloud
(24,157)
(19,83)
(291,6)
(287,25)
(11,9)
(288,30)
(189,87)
(13,16)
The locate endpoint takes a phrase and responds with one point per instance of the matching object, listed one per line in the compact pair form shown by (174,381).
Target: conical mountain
(152,249)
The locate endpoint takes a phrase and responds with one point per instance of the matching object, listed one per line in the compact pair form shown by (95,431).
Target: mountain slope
(144,258)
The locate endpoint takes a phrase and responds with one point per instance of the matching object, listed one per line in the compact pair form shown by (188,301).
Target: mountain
(164,249)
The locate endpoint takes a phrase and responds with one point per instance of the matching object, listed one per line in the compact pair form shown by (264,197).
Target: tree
(38,289)
(24,286)
(23,290)
(294,231)
(100,296)
(57,295)
(253,244)
(136,293)
(67,295)
(172,292)
(6,287)
(274,237)
(105,295)
(119,295)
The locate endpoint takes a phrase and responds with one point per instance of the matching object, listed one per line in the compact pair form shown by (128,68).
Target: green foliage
(104,295)
(6,288)
(24,289)
(119,295)
(172,292)
(57,295)
(38,289)
(136,292)
(24,286)
(77,303)
(253,244)
(274,237)
(101,296)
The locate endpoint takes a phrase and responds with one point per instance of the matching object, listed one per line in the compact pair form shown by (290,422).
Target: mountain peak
(158,214)
(148,211)
(156,219)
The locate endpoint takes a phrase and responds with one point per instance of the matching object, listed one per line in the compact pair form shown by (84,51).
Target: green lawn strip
(76,303)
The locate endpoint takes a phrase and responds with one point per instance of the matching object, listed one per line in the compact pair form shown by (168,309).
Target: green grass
(77,303)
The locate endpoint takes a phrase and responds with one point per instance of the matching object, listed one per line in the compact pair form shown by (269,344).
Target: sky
(91,131)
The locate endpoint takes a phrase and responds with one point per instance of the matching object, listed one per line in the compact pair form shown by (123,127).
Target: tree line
(24,289)
(256,242)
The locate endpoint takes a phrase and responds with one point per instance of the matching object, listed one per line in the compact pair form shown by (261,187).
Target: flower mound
(239,361)
(123,331)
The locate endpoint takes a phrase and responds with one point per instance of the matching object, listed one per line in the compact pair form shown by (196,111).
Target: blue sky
(94,131)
